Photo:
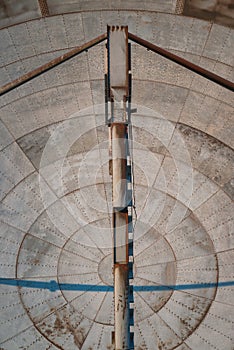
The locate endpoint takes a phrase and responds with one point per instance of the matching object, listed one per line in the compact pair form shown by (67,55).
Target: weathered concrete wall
(220,11)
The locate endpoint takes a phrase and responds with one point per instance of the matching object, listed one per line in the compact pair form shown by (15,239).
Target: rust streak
(44,8)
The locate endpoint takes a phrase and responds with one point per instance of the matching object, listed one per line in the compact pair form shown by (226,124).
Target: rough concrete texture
(220,11)
(55,214)
(13,11)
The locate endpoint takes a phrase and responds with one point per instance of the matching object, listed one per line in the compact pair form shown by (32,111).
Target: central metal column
(120,221)
(117,101)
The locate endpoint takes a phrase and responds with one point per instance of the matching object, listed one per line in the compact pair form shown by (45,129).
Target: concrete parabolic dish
(56,281)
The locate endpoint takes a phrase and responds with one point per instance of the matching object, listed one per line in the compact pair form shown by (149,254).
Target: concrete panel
(216,215)
(55,225)
(14,11)
(30,337)
(69,72)
(168,37)
(189,239)
(176,179)
(184,183)
(74,29)
(179,33)
(147,65)
(207,87)
(147,334)
(166,215)
(77,97)
(14,318)
(203,338)
(184,312)
(65,328)
(164,99)
(213,10)
(65,176)
(220,44)
(11,239)
(22,205)
(225,264)
(35,256)
(161,6)
(45,303)
(99,337)
(12,158)
(211,116)
(33,144)
(207,154)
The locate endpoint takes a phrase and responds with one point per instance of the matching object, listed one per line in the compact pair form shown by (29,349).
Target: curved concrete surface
(55,213)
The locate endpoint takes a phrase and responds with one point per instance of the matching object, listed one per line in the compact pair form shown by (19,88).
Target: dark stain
(192,9)
(229,188)
(48,332)
(33,144)
(58,324)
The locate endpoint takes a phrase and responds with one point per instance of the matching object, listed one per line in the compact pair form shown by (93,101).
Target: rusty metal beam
(181,61)
(55,62)
(44,8)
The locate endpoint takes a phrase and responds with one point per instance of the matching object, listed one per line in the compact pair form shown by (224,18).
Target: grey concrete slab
(161,6)
(30,337)
(17,68)
(55,225)
(179,308)
(11,239)
(78,97)
(33,144)
(65,328)
(202,85)
(183,182)
(218,11)
(225,264)
(36,256)
(207,154)
(14,12)
(5,136)
(204,338)
(219,45)
(147,65)
(219,228)
(44,304)
(24,204)
(205,120)
(147,334)
(189,239)
(167,215)
(166,100)
(186,29)
(14,318)
(74,29)
(12,158)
